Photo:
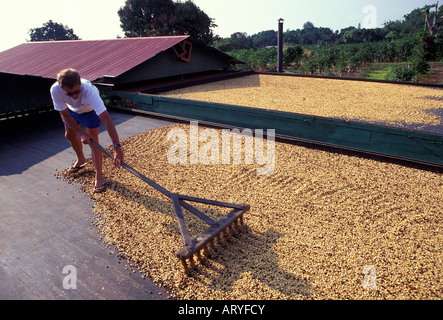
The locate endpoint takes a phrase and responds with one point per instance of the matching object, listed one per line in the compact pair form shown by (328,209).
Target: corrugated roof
(92,58)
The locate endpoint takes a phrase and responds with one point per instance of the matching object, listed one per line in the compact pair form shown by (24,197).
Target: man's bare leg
(76,144)
(97,158)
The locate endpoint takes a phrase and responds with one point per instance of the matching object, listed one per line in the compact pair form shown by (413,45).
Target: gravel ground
(320,226)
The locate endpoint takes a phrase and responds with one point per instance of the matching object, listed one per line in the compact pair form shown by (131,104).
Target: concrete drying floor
(46,223)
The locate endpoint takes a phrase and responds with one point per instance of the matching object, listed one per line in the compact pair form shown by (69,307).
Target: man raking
(79,104)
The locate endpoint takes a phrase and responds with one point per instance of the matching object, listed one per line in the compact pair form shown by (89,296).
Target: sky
(98,19)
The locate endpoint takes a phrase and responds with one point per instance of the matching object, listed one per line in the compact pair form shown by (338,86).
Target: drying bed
(320,225)
(380,103)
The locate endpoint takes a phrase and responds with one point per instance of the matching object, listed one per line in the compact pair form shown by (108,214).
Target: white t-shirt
(88,100)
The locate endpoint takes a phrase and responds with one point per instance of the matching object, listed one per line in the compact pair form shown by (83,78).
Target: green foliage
(416,69)
(193,21)
(311,66)
(340,60)
(264,39)
(354,35)
(292,55)
(51,31)
(404,74)
(420,66)
(308,25)
(143,18)
(240,41)
(257,59)
(414,21)
(439,47)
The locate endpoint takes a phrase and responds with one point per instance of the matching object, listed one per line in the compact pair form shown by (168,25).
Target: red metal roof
(92,58)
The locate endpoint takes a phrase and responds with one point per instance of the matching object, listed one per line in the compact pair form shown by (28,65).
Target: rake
(199,246)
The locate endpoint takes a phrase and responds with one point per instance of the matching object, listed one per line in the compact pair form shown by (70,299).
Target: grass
(379,71)
(384,71)
(435,75)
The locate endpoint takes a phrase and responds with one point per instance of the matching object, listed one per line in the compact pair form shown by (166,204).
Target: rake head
(199,247)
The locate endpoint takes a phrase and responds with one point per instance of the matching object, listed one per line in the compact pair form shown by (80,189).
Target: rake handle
(178,212)
(133,171)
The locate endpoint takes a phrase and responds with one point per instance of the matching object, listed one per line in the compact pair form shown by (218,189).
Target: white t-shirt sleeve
(96,101)
(57,98)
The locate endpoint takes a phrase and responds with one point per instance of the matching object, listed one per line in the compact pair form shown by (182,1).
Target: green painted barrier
(388,141)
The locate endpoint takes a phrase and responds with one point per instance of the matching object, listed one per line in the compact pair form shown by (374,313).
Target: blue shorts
(89,119)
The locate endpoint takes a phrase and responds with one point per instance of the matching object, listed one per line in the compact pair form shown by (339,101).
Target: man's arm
(112,131)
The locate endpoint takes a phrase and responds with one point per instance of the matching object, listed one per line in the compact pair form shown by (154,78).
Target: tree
(193,22)
(415,21)
(265,59)
(144,18)
(52,31)
(291,36)
(292,54)
(240,40)
(308,25)
(403,74)
(420,66)
(264,39)
(222,44)
(433,26)
(391,36)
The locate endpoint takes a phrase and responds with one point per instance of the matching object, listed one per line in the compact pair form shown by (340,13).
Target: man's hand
(86,138)
(71,123)
(112,131)
(118,157)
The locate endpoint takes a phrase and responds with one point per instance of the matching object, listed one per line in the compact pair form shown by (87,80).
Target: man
(79,103)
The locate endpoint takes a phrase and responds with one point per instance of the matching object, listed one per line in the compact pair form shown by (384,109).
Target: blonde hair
(68,78)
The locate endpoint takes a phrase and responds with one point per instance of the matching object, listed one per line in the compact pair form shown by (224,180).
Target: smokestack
(280,45)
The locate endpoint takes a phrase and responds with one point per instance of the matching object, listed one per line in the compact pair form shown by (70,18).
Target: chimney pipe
(280,45)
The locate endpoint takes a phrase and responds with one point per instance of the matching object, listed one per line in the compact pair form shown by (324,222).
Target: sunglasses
(70,94)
